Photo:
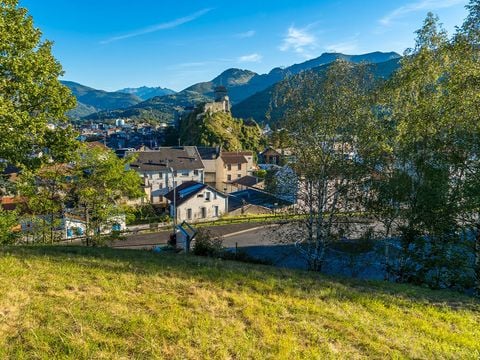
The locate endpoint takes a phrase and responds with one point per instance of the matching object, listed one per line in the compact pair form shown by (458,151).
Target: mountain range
(249,92)
(263,107)
(146,92)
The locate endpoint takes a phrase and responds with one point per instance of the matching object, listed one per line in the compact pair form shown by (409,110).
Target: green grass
(80,303)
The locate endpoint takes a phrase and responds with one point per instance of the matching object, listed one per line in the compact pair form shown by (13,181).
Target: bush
(207,244)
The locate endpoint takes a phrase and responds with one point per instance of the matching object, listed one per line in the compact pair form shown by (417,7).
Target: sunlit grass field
(79,303)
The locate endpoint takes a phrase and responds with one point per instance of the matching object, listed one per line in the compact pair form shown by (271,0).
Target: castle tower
(220,93)
(221,98)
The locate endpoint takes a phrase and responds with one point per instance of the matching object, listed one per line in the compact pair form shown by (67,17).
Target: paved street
(268,242)
(149,240)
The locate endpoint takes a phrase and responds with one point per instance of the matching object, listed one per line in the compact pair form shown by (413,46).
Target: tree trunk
(87,226)
(477,261)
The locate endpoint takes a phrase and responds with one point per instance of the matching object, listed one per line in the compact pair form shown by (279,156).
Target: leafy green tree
(31,94)
(462,105)
(101,182)
(329,136)
(419,186)
(9,220)
(46,192)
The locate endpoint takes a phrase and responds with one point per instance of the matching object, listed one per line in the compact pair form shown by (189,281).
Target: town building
(273,156)
(166,168)
(224,167)
(194,202)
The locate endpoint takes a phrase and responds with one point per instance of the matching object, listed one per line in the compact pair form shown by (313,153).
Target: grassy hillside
(84,303)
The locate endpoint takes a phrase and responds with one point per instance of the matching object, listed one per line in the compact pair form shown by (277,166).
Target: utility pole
(174,201)
(170,169)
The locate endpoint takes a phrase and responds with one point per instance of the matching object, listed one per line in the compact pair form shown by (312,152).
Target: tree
(329,123)
(100,182)
(462,106)
(8,222)
(31,94)
(419,183)
(46,191)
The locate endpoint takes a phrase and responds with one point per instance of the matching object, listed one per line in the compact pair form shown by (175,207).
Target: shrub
(207,244)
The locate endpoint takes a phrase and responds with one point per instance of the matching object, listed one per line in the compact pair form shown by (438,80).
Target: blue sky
(110,44)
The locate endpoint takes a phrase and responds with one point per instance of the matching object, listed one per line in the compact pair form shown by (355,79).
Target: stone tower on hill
(221,103)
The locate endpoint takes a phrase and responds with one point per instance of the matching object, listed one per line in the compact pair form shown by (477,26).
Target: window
(207,196)
(215,208)
(239,176)
(204,213)
(239,166)
(229,167)
(214,196)
(229,177)
(189,214)
(195,172)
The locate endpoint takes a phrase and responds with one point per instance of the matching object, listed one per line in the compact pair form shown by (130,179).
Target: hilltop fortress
(221,103)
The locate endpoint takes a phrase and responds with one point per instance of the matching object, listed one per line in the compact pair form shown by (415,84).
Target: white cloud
(163,26)
(299,40)
(418,6)
(246,34)
(250,58)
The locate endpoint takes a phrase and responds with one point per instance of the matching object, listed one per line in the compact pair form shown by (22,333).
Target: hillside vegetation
(91,100)
(79,303)
(158,109)
(220,129)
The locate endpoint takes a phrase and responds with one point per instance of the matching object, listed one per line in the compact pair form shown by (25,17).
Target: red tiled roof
(10,203)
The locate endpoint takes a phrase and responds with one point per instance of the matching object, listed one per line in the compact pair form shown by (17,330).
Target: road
(267,242)
(231,234)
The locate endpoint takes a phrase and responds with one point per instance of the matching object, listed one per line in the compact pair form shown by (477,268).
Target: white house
(195,202)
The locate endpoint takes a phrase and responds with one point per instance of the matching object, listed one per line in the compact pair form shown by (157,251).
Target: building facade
(224,167)
(163,169)
(195,202)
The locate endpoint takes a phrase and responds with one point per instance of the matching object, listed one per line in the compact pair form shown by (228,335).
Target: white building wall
(159,183)
(199,201)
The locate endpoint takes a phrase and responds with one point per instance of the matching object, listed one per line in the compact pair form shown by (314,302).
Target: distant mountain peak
(234,76)
(145,92)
